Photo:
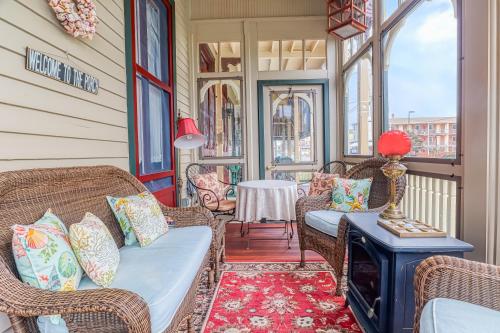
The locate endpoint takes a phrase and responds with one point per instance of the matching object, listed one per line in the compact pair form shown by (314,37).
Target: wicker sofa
(456,295)
(70,192)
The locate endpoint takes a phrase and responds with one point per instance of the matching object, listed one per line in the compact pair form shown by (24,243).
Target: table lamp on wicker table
(393,145)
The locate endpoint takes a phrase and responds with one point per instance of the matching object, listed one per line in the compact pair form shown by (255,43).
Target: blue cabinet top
(367,223)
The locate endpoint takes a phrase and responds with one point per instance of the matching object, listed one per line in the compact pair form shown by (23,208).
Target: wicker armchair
(70,192)
(333,248)
(334,167)
(455,278)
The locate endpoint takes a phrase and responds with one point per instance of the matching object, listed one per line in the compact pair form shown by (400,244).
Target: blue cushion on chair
(442,315)
(326,221)
(160,273)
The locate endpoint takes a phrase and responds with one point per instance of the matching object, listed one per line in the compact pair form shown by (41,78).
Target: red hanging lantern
(346,18)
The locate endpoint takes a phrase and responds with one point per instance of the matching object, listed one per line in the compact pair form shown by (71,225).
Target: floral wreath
(78,17)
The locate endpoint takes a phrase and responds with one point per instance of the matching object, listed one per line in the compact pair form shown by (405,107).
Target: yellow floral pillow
(95,249)
(147,219)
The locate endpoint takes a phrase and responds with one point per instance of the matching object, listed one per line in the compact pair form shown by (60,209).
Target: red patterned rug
(265,298)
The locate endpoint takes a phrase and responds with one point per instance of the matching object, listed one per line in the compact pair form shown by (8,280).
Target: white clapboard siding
(183,75)
(432,201)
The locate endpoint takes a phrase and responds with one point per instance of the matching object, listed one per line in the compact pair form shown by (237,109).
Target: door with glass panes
(154,114)
(293,128)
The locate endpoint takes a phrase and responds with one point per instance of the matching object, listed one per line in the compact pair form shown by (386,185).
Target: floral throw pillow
(43,255)
(95,249)
(209,181)
(321,182)
(351,195)
(147,219)
(118,207)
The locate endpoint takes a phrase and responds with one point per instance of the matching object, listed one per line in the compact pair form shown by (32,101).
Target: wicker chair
(333,248)
(70,192)
(334,167)
(455,278)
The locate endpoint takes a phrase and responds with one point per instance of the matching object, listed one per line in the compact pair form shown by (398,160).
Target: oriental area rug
(273,297)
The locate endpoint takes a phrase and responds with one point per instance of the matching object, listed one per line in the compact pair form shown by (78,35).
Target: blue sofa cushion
(442,315)
(160,273)
(326,221)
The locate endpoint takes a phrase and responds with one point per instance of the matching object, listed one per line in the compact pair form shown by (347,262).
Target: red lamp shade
(346,18)
(188,135)
(394,143)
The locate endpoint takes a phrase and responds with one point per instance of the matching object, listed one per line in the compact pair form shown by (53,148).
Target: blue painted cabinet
(381,269)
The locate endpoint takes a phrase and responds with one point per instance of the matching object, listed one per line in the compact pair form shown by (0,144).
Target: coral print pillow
(118,207)
(147,219)
(95,249)
(209,181)
(43,255)
(351,195)
(321,182)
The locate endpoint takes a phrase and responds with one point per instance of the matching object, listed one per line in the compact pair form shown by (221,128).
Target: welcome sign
(43,64)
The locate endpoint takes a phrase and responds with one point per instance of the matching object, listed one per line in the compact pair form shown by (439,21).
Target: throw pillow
(147,219)
(43,255)
(321,182)
(95,249)
(351,195)
(209,181)
(118,207)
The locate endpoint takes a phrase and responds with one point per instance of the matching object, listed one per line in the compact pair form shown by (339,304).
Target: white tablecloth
(270,199)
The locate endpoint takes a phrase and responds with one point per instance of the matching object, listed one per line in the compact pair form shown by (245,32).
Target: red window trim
(168,87)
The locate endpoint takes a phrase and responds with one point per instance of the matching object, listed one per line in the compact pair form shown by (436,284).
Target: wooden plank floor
(263,250)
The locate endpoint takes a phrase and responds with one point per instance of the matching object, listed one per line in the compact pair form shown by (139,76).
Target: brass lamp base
(393,170)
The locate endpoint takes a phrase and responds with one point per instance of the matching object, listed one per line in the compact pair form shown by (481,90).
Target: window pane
(153,128)
(315,54)
(358,107)
(292,126)
(151,37)
(353,44)
(389,7)
(420,79)
(230,57)
(221,117)
(298,176)
(269,55)
(209,57)
(292,55)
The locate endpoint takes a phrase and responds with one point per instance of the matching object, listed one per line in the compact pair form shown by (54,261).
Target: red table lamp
(393,145)
(188,135)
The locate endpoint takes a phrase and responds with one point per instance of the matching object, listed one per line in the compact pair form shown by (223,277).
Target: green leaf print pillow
(43,255)
(351,195)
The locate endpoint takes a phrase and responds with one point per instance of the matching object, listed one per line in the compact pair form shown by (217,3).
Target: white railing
(432,201)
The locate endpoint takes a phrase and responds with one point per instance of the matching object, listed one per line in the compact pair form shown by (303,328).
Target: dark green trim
(326,115)
(130,89)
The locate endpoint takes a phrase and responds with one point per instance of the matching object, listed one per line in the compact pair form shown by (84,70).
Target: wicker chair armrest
(455,278)
(189,216)
(19,299)
(310,203)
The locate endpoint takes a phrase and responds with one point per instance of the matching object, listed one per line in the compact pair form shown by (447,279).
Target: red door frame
(168,195)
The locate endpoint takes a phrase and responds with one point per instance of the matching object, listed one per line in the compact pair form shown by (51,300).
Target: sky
(422,74)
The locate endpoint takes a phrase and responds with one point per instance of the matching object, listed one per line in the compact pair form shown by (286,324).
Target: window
(292,55)
(219,57)
(420,73)
(389,7)
(152,78)
(358,110)
(220,117)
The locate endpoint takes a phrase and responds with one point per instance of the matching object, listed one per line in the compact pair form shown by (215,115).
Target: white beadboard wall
(46,123)
(183,77)
(218,9)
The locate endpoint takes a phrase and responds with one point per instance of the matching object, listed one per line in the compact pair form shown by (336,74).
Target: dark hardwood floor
(263,250)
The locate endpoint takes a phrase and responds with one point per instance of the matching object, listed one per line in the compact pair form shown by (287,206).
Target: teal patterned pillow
(118,207)
(43,255)
(351,195)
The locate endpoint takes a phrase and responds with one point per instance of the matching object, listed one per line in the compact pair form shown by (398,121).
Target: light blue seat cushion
(160,273)
(326,221)
(442,315)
